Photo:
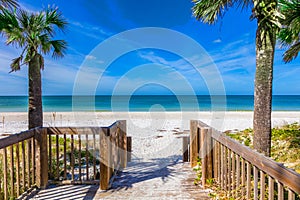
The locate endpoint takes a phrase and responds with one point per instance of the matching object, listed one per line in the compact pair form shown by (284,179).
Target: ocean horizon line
(136,103)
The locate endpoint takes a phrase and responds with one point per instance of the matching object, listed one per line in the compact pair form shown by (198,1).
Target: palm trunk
(265,47)
(35,110)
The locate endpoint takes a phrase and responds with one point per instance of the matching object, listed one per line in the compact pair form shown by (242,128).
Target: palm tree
(33,32)
(289,35)
(267,16)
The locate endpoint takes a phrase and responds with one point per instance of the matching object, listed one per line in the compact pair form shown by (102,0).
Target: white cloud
(217,41)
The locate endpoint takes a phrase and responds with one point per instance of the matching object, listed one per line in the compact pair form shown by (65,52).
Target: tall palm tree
(267,16)
(34,33)
(289,35)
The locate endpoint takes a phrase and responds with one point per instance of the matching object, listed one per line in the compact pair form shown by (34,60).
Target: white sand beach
(14,122)
(155,134)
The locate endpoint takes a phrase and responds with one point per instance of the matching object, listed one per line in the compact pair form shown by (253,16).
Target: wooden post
(104,159)
(203,135)
(41,157)
(123,143)
(206,154)
(209,151)
(129,148)
(194,142)
(185,148)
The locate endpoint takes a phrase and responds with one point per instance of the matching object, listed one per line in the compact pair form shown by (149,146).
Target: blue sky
(229,44)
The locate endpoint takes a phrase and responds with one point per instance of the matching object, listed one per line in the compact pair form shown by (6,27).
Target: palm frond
(54,17)
(291,53)
(16,64)
(208,11)
(289,35)
(45,44)
(59,48)
(8,4)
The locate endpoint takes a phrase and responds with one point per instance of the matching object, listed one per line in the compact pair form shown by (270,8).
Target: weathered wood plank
(222,166)
(79,156)
(104,159)
(123,132)
(271,188)
(229,171)
(94,156)
(225,168)
(243,176)
(57,156)
(209,153)
(33,159)
(233,178)
(5,170)
(219,161)
(73,130)
(50,153)
(238,174)
(23,166)
(12,172)
(129,149)
(18,169)
(72,157)
(87,156)
(204,157)
(262,185)
(255,175)
(280,191)
(194,154)
(248,180)
(65,156)
(291,195)
(28,148)
(16,138)
(42,158)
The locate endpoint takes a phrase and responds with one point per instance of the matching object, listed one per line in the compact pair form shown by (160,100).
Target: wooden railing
(65,155)
(19,171)
(94,148)
(240,171)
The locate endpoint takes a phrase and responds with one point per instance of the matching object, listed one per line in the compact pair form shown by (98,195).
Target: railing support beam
(41,157)
(206,154)
(194,142)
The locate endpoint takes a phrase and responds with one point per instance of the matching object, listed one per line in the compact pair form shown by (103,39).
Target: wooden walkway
(154,179)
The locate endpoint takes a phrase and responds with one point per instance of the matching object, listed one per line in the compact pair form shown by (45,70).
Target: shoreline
(230,120)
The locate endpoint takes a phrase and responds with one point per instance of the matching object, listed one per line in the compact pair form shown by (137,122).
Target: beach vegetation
(34,33)
(285,144)
(290,31)
(59,165)
(267,15)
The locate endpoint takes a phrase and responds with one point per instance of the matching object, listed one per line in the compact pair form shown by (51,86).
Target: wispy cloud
(217,41)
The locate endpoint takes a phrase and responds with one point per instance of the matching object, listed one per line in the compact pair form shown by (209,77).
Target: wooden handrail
(74,130)
(231,153)
(276,170)
(16,138)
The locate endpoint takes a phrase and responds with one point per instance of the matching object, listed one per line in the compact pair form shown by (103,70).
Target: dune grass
(285,144)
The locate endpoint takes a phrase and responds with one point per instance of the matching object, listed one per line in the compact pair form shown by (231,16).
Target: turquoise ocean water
(148,103)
